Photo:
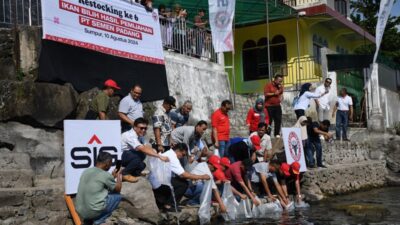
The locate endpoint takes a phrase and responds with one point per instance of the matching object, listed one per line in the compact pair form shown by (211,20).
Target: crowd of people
(249,163)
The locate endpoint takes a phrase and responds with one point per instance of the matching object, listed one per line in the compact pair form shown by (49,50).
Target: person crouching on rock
(163,194)
(98,192)
(135,151)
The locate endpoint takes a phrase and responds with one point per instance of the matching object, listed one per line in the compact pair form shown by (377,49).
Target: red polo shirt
(272,100)
(234,173)
(220,121)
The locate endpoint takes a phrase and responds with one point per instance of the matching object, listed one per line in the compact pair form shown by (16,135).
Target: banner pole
(233,63)
(268,47)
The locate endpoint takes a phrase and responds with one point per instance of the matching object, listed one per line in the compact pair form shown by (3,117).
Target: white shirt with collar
(323,100)
(130,140)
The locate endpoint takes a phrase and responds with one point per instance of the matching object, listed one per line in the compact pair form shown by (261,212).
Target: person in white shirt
(307,93)
(322,103)
(162,192)
(264,142)
(344,107)
(135,151)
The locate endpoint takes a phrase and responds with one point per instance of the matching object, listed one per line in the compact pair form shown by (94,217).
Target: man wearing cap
(130,108)
(236,174)
(195,190)
(263,142)
(162,124)
(98,107)
(290,175)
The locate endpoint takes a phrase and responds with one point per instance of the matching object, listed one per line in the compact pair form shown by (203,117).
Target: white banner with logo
(83,140)
(221,19)
(294,147)
(109,26)
(384,11)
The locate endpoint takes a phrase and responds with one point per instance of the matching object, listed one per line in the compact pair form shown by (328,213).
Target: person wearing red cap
(289,174)
(195,190)
(98,107)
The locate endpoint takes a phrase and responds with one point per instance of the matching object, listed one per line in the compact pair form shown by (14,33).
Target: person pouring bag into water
(257,114)
(302,102)
(163,193)
(289,178)
(98,107)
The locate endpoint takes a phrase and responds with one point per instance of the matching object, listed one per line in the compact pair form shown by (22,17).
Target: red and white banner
(221,19)
(108,26)
(294,147)
(83,141)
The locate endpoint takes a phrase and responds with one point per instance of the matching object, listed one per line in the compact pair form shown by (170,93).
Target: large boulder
(41,149)
(139,202)
(7,62)
(393,154)
(39,104)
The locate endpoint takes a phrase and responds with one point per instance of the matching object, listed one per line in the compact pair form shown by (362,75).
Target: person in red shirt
(291,173)
(256,115)
(236,174)
(273,96)
(221,127)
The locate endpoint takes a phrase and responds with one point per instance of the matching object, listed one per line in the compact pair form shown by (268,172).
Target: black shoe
(346,139)
(322,166)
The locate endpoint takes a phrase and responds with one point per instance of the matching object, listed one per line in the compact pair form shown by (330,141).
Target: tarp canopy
(248,12)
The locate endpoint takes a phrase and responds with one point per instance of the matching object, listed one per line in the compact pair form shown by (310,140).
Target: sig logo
(85,156)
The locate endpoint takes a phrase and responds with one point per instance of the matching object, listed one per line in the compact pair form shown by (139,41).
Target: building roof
(339,21)
(247,12)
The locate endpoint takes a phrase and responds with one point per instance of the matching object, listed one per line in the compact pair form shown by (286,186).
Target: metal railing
(299,3)
(20,12)
(309,71)
(186,38)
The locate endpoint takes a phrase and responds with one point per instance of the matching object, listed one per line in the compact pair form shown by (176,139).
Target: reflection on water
(377,207)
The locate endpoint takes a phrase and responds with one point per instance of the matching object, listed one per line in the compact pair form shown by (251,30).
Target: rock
(38,104)
(30,43)
(393,154)
(40,213)
(7,212)
(45,148)
(139,202)
(8,198)
(367,211)
(11,160)
(16,178)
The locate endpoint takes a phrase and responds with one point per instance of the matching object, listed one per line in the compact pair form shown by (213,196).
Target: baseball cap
(112,84)
(219,175)
(225,162)
(215,161)
(256,141)
(285,169)
(170,100)
(295,167)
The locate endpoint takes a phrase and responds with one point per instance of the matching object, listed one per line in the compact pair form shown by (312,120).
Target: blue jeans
(342,121)
(311,145)
(223,148)
(133,162)
(112,202)
(194,192)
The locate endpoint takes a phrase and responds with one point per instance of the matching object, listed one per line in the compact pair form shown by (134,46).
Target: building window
(341,7)
(249,55)
(318,43)
(278,49)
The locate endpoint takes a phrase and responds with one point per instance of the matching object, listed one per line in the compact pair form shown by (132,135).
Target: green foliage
(365,14)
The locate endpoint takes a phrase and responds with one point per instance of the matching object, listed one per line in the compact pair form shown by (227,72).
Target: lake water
(375,207)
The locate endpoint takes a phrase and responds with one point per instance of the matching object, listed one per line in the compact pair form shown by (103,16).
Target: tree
(365,14)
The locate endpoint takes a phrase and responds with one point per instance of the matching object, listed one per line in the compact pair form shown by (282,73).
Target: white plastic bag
(230,202)
(244,209)
(301,204)
(256,210)
(268,208)
(205,197)
(290,206)
(160,172)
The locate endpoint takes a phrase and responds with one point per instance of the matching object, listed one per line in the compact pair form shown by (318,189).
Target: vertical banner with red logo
(294,147)
(83,140)
(221,19)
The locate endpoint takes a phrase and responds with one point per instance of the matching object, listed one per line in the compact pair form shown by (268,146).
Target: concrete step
(344,178)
